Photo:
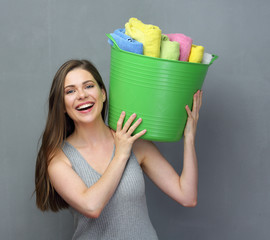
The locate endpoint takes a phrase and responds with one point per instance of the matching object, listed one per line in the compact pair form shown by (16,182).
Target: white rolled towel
(207,57)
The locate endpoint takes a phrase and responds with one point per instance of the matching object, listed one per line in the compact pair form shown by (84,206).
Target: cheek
(102,96)
(67,102)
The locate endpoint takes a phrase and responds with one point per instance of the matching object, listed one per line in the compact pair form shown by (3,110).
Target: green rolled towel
(169,49)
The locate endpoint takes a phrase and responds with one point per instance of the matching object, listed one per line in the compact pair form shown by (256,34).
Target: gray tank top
(125,217)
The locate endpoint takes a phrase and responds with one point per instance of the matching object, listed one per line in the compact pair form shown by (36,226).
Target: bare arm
(91,201)
(183,188)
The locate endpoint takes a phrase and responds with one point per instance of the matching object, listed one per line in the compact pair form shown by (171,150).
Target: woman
(97,172)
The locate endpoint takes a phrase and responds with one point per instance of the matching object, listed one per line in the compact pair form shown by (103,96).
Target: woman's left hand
(193,116)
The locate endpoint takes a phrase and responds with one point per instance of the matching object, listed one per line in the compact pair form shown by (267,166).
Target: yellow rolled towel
(149,35)
(169,49)
(196,54)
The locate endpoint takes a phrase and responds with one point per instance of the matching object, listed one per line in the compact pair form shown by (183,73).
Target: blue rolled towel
(125,42)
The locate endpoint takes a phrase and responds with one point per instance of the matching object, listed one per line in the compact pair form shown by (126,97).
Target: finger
(200,99)
(120,121)
(139,134)
(188,111)
(195,102)
(113,132)
(198,95)
(129,121)
(134,126)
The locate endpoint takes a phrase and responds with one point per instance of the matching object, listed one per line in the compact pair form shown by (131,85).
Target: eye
(89,86)
(70,91)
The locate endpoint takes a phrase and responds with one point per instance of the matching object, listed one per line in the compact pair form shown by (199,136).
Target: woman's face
(83,97)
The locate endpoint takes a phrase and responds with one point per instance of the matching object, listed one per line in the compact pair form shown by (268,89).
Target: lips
(84,106)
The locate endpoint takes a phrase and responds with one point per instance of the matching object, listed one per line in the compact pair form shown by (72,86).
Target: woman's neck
(92,134)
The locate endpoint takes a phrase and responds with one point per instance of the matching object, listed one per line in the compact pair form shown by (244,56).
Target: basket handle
(114,42)
(215,57)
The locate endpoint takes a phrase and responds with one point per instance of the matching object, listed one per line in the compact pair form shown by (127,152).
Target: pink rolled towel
(185,44)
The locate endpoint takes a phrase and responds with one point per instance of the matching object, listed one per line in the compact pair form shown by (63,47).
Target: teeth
(85,106)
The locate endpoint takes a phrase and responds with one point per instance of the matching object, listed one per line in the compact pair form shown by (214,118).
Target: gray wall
(37,36)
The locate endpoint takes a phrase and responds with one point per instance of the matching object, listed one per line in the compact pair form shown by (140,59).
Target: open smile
(84,107)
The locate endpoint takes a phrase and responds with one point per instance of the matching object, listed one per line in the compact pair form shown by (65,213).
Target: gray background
(233,132)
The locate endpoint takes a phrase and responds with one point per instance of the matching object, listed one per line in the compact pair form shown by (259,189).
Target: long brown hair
(58,127)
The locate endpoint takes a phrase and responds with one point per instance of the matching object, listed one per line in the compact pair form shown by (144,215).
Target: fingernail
(134,114)
(139,119)
(123,113)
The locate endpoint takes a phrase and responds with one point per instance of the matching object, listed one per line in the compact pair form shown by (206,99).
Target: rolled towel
(185,44)
(125,42)
(169,49)
(196,54)
(149,35)
(207,57)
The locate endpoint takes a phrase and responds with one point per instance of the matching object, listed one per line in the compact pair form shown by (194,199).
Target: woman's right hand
(123,137)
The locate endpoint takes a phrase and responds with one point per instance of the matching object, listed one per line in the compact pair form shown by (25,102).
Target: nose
(81,94)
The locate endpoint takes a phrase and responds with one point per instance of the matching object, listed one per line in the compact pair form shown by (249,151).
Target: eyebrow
(87,81)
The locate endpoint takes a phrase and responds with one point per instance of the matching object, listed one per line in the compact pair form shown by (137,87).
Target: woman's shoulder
(141,148)
(59,158)
(142,144)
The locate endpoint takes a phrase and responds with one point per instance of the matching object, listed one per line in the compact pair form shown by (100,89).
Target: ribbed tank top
(125,217)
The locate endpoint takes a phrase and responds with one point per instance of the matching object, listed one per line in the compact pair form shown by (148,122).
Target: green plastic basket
(156,89)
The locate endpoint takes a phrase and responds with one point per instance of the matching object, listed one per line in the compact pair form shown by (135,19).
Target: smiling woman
(96,172)
(58,127)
